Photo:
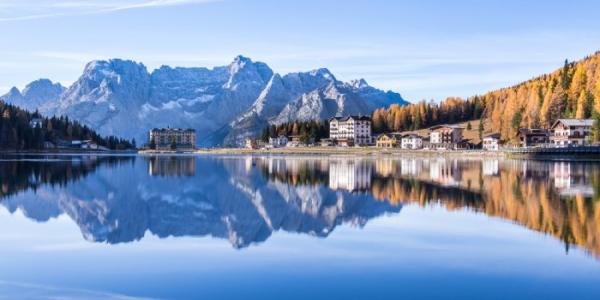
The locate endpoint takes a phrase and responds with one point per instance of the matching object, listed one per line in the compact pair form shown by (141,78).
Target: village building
(35,123)
(251,143)
(388,140)
(412,141)
(326,143)
(491,142)
(355,130)
(277,142)
(445,137)
(571,132)
(166,138)
(532,137)
(295,141)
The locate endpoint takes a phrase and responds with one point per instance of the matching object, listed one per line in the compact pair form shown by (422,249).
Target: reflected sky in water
(297,227)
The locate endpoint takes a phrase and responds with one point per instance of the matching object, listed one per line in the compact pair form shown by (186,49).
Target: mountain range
(224,104)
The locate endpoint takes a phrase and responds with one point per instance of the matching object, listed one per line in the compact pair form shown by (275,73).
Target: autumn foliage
(572,91)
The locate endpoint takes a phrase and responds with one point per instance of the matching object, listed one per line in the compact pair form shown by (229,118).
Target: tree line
(572,91)
(309,131)
(17,132)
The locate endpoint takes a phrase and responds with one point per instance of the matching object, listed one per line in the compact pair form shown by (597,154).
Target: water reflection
(171,165)
(246,199)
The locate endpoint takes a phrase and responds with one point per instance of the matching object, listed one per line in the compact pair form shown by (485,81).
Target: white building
(351,130)
(35,123)
(280,141)
(412,141)
(445,136)
(566,132)
(491,142)
(350,175)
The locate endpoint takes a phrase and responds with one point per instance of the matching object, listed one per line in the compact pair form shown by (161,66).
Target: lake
(297,227)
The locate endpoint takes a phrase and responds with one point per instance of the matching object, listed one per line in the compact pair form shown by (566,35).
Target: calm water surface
(291,227)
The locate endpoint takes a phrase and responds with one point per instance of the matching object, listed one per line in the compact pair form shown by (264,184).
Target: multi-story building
(388,140)
(280,141)
(351,130)
(491,142)
(412,141)
(166,138)
(445,136)
(567,132)
(532,137)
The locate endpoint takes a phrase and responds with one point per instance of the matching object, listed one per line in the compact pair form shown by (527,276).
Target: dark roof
(357,118)
(532,131)
(494,135)
(173,129)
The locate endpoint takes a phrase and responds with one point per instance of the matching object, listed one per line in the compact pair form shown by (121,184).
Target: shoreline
(326,151)
(379,152)
(330,151)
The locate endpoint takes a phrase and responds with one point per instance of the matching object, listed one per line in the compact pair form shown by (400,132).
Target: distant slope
(572,91)
(17,132)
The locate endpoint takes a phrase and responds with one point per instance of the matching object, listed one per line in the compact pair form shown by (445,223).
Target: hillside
(572,91)
(17,132)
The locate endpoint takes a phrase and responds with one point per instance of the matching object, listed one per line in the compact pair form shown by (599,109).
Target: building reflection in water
(175,166)
(250,197)
(445,172)
(571,179)
(350,174)
(490,167)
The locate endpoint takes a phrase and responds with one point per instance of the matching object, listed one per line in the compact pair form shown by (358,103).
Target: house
(35,123)
(445,136)
(166,138)
(90,145)
(571,132)
(251,143)
(532,137)
(412,141)
(326,143)
(295,141)
(388,140)
(355,128)
(280,141)
(491,142)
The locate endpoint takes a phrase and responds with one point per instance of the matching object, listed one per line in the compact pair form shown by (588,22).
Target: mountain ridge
(224,104)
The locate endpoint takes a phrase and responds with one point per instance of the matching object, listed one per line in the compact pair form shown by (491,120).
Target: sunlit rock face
(224,104)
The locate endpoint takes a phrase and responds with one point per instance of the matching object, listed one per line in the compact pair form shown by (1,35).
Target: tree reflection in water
(245,199)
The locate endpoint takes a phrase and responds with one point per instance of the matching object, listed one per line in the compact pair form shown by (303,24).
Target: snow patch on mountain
(224,104)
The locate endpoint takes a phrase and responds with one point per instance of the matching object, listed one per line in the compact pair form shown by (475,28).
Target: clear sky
(422,49)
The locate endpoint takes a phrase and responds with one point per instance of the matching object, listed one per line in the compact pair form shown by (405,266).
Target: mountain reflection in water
(245,199)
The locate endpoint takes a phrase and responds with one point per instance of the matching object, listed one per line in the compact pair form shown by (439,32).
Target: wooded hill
(18,133)
(572,91)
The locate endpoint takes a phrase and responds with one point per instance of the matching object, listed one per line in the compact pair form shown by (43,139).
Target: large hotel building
(185,139)
(351,130)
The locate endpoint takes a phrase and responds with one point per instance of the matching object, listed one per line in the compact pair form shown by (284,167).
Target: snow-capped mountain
(224,104)
(35,95)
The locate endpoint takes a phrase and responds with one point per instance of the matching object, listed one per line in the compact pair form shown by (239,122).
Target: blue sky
(421,49)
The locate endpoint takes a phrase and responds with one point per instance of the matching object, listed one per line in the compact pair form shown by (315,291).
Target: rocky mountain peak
(359,83)
(224,104)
